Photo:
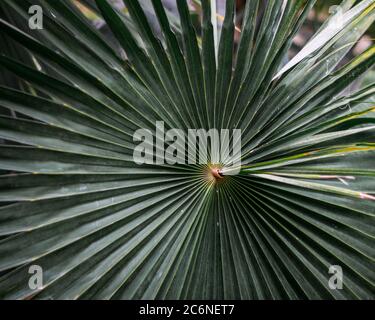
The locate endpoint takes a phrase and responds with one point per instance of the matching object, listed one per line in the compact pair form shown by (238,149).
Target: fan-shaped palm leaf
(101,226)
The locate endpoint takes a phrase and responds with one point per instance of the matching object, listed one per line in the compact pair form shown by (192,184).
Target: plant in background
(97,225)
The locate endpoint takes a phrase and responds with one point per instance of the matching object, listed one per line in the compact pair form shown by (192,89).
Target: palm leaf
(101,226)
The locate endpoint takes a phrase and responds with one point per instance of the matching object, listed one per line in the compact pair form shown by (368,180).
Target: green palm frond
(100,226)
